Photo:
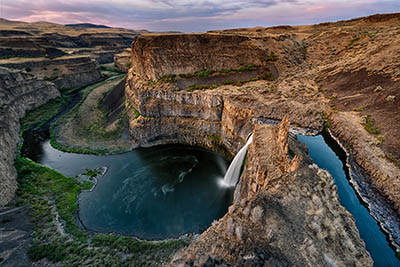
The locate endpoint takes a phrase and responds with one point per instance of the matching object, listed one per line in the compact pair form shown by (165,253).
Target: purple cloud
(192,16)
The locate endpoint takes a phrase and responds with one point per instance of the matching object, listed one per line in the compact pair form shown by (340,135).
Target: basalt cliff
(213,89)
(19,92)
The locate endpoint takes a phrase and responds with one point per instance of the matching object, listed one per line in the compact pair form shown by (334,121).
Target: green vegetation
(92,172)
(170,78)
(110,69)
(48,193)
(204,73)
(27,69)
(43,114)
(246,68)
(214,138)
(39,185)
(130,106)
(267,76)
(353,41)
(381,139)
(228,82)
(201,87)
(132,245)
(369,125)
(92,129)
(325,120)
(358,109)
(271,57)
(264,76)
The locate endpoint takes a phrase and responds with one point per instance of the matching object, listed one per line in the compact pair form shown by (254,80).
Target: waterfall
(233,172)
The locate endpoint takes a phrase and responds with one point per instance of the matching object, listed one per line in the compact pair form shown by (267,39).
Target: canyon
(340,76)
(213,90)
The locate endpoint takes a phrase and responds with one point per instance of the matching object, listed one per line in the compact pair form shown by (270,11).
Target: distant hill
(86,25)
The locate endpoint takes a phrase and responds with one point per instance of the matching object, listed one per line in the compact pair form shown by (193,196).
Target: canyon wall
(122,61)
(19,92)
(286,212)
(223,114)
(65,72)
(154,56)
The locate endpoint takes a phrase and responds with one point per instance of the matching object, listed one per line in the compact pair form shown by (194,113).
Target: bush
(271,57)
(369,125)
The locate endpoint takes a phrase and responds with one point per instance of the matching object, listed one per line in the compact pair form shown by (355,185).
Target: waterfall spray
(233,172)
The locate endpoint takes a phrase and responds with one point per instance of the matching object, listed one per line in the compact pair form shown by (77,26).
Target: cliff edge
(19,92)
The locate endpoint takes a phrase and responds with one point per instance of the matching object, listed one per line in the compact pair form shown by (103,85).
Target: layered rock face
(123,60)
(19,92)
(154,56)
(286,212)
(65,72)
(221,117)
(43,39)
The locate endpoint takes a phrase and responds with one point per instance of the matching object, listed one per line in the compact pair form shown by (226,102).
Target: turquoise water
(376,241)
(152,193)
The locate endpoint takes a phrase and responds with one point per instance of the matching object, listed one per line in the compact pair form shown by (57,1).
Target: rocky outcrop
(19,92)
(122,61)
(154,56)
(286,212)
(218,119)
(65,72)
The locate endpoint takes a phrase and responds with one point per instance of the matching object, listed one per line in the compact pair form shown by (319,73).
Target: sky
(192,15)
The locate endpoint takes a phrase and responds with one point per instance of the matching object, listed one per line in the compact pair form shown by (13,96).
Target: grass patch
(45,190)
(92,172)
(214,138)
(369,125)
(38,117)
(49,185)
(204,73)
(358,109)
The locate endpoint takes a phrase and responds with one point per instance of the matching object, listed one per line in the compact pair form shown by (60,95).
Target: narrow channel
(376,240)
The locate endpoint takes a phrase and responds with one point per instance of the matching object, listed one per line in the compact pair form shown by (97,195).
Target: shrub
(204,73)
(228,82)
(271,57)
(369,125)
